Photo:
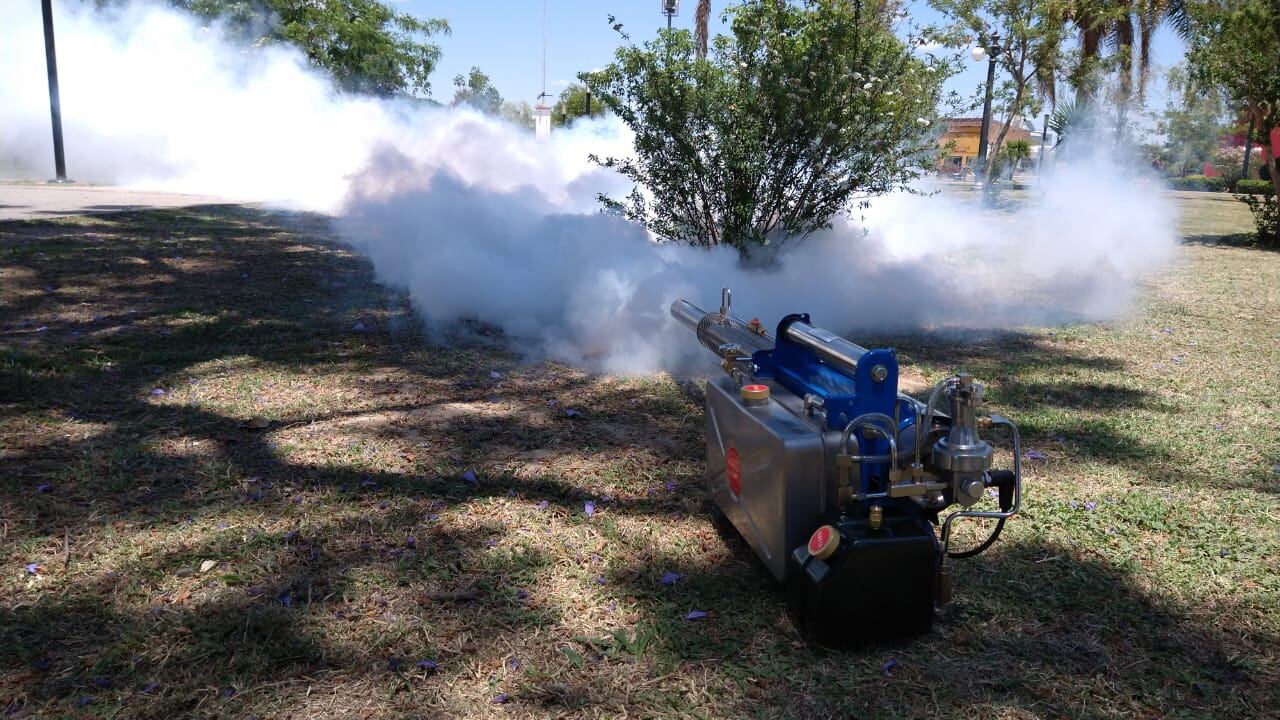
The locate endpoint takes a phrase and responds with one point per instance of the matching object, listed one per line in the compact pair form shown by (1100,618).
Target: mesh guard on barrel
(836,480)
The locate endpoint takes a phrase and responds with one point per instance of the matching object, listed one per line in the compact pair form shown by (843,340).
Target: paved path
(26,201)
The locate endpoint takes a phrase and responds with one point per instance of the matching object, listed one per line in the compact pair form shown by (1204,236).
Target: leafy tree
(475,90)
(573,105)
(803,108)
(365,44)
(1193,127)
(1234,50)
(518,113)
(1030,33)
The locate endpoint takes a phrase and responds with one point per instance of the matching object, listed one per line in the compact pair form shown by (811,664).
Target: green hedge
(1255,187)
(1199,182)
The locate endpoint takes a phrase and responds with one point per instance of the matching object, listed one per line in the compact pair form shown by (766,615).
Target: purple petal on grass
(495,374)
(522,594)
(228,692)
(1091,506)
(470,477)
(544,504)
(671,487)
(33,568)
(359,327)
(285,599)
(696,615)
(612,606)
(888,667)
(42,328)
(101,682)
(1034,455)
(501,698)
(157,392)
(43,488)
(427,665)
(572,413)
(411,542)
(1218,426)
(150,688)
(514,663)
(671,578)
(292,534)
(606,499)
(600,580)
(589,508)
(1223,552)
(84,701)
(1168,330)
(1074,505)
(490,543)
(368,482)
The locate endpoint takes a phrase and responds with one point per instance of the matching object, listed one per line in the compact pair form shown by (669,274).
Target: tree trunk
(701,18)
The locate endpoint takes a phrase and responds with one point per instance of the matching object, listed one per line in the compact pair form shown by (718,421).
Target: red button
(733,471)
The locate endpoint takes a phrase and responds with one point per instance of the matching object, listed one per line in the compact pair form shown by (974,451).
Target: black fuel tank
(879,584)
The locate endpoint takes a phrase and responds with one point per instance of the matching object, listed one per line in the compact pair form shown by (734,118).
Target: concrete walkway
(27,201)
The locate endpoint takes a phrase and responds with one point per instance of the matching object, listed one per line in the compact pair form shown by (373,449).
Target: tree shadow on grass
(1233,240)
(1036,628)
(129,623)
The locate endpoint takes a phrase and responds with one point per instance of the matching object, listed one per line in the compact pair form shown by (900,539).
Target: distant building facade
(959,142)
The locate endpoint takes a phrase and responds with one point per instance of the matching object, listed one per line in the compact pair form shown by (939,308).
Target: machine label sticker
(733,471)
(819,540)
(824,335)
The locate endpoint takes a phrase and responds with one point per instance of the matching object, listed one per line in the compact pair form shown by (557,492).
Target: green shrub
(1199,182)
(1255,187)
(1266,215)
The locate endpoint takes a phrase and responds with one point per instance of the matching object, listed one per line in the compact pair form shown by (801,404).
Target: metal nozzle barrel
(723,333)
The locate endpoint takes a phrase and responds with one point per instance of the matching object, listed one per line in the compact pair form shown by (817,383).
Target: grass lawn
(408,537)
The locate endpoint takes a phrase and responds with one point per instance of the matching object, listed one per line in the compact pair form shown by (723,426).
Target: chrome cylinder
(829,346)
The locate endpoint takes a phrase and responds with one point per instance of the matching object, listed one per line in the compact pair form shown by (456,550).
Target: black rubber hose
(995,535)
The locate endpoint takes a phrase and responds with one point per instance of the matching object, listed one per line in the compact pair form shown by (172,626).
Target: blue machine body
(845,396)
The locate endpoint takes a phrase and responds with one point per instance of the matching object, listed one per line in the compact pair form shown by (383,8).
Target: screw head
(879,373)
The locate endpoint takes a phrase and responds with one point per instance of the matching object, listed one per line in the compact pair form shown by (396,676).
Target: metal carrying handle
(868,421)
(1017,489)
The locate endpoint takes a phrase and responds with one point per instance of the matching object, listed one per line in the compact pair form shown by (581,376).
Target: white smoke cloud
(478,220)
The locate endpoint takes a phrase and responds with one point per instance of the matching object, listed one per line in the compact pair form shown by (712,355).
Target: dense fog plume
(478,220)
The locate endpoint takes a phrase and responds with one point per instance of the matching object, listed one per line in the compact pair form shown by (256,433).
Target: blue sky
(504,38)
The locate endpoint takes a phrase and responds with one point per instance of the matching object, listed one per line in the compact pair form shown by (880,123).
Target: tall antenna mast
(544,49)
(542,113)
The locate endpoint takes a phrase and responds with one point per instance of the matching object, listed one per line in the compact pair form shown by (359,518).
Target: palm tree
(701,17)
(1126,27)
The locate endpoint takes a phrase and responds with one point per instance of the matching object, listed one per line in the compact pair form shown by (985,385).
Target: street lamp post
(55,104)
(670,8)
(990,49)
